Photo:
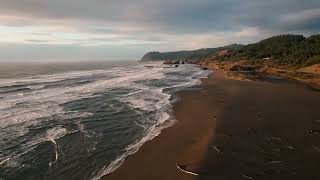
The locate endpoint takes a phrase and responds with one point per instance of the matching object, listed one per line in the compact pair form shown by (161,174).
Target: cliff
(186,55)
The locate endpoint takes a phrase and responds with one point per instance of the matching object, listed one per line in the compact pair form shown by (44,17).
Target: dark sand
(235,130)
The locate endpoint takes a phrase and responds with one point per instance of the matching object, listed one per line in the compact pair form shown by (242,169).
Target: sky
(67,30)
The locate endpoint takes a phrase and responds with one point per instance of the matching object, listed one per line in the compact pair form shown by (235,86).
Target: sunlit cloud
(114,28)
(63,36)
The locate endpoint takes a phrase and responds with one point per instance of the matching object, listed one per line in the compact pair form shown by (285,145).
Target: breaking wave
(131,105)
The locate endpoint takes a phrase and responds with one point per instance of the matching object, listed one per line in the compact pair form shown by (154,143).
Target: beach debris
(317,121)
(278,150)
(202,93)
(314,131)
(216,148)
(4,161)
(275,139)
(223,137)
(316,148)
(274,162)
(183,169)
(259,114)
(252,131)
(246,176)
(290,148)
(56,152)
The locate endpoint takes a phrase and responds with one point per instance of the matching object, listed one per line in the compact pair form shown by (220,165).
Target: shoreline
(166,120)
(177,97)
(208,118)
(308,76)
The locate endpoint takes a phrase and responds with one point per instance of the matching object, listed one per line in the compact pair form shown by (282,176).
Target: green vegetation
(284,49)
(189,55)
(293,50)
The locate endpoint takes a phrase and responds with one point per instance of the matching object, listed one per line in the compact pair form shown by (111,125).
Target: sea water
(81,120)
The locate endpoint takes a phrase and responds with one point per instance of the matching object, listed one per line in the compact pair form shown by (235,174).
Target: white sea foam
(153,132)
(36,87)
(20,111)
(147,100)
(46,103)
(14,160)
(150,99)
(52,135)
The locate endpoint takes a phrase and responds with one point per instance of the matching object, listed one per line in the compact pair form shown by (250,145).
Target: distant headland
(290,56)
(295,50)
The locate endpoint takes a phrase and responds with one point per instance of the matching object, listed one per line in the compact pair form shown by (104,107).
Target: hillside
(284,49)
(191,55)
(292,50)
(289,56)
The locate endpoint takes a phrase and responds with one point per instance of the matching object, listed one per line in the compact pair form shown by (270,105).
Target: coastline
(171,138)
(214,123)
(102,115)
(165,117)
(309,76)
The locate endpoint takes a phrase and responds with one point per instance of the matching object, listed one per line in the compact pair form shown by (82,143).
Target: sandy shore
(235,130)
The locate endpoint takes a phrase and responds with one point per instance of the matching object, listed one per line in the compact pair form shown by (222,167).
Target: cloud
(143,25)
(306,19)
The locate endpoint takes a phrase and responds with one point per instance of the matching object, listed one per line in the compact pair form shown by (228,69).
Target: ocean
(81,120)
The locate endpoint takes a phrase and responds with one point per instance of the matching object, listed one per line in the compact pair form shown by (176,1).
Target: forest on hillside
(282,49)
(295,50)
(187,55)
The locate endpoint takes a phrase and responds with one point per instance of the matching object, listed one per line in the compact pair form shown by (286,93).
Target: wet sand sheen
(235,130)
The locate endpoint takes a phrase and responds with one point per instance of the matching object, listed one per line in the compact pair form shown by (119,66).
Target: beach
(159,90)
(231,129)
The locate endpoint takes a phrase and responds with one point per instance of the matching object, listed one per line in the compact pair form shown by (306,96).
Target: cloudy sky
(43,30)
